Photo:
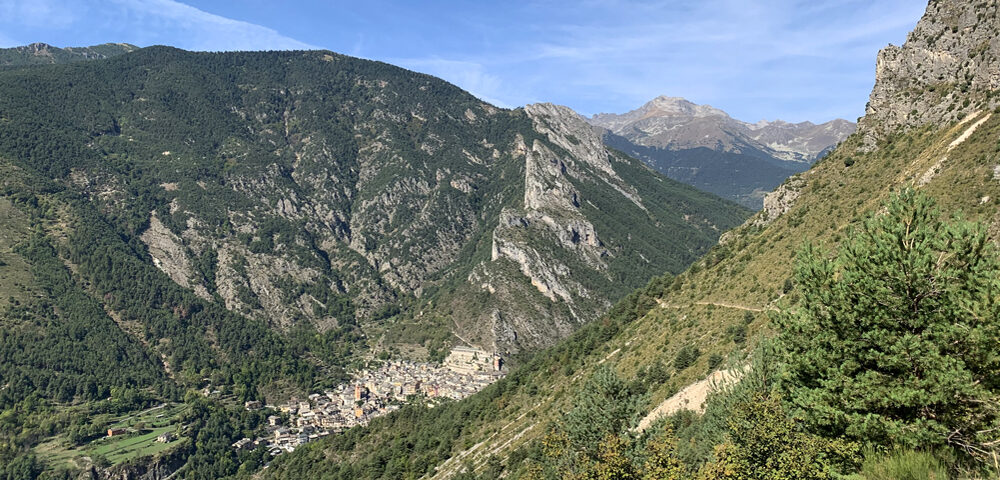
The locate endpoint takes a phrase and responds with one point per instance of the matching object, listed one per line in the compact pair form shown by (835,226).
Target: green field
(152,417)
(129,446)
(134,444)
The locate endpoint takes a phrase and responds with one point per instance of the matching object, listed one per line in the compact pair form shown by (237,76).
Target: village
(373,393)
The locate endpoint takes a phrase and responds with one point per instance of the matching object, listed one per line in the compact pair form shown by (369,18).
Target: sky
(793,60)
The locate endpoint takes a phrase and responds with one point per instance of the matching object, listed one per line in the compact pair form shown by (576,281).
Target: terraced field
(136,443)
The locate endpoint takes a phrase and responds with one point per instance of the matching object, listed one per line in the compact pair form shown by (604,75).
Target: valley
(303,264)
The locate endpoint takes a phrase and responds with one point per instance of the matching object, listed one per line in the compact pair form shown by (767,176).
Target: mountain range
(318,194)
(705,147)
(193,233)
(931,124)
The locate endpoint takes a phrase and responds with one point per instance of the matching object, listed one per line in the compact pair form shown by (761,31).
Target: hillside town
(373,393)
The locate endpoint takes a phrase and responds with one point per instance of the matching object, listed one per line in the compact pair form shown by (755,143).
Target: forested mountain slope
(256,222)
(311,187)
(44,54)
(941,141)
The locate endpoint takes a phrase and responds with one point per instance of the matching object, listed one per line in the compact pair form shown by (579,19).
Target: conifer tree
(897,338)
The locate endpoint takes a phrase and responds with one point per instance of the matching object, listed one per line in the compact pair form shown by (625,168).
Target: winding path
(719,304)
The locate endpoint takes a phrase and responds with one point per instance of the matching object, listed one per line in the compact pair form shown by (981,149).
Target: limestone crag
(43,53)
(780,201)
(948,67)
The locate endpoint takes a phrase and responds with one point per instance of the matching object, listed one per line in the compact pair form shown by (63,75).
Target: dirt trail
(718,304)
(934,169)
(692,397)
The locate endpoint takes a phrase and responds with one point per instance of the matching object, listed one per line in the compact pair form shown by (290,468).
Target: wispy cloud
(755,58)
(470,76)
(196,29)
(141,22)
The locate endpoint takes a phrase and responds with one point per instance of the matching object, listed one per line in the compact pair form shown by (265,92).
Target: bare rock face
(780,201)
(947,68)
(168,252)
(567,129)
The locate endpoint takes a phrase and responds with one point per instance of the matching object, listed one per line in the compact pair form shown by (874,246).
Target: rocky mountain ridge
(45,54)
(309,188)
(675,123)
(703,146)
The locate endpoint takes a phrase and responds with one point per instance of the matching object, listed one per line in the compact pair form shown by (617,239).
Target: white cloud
(187,27)
(767,56)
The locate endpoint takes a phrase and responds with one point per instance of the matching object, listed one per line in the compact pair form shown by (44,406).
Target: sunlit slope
(744,279)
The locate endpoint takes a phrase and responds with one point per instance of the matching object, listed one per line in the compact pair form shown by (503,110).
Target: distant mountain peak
(705,147)
(676,123)
(664,105)
(659,107)
(783,124)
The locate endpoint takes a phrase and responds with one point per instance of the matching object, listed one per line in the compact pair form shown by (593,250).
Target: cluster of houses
(372,393)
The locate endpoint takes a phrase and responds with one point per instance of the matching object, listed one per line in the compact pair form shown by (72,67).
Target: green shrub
(895,341)
(902,465)
(686,357)
(737,333)
(714,361)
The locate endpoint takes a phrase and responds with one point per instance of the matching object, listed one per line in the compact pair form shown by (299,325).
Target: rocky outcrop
(42,53)
(565,128)
(948,67)
(780,201)
(160,467)
(168,251)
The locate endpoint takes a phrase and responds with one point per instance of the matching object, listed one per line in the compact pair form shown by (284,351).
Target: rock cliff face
(948,68)
(780,201)
(549,247)
(317,189)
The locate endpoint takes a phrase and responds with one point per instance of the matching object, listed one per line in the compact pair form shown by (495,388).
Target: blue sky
(757,59)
